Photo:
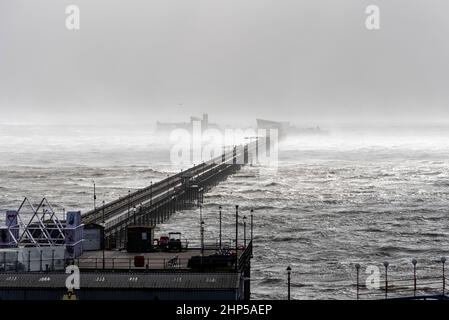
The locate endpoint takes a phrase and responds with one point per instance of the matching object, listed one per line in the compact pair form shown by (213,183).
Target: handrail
(163,186)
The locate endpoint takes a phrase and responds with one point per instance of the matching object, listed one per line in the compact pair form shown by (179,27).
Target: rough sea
(355,195)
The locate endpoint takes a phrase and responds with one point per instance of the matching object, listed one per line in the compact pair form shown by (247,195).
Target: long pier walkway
(155,203)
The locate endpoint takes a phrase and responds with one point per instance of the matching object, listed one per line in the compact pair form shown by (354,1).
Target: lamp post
(244,231)
(223,155)
(95,196)
(202,238)
(443,261)
(219,216)
(252,216)
(289,270)
(151,193)
(104,229)
(386,264)
(257,149)
(357,268)
(129,204)
(134,214)
(236,235)
(414,262)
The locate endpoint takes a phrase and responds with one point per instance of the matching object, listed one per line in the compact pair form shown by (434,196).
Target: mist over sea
(356,195)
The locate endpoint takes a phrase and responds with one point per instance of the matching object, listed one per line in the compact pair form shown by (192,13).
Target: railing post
(202,238)
(414,276)
(288,282)
(40,261)
(252,217)
(219,210)
(386,279)
(244,231)
(236,236)
(443,261)
(357,268)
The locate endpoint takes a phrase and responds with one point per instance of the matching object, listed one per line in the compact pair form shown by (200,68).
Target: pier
(127,262)
(155,203)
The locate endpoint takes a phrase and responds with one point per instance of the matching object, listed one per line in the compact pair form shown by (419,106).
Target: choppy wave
(329,205)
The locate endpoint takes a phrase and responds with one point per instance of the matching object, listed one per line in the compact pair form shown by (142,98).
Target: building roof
(189,281)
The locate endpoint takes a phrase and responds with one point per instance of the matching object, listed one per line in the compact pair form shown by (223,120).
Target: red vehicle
(163,242)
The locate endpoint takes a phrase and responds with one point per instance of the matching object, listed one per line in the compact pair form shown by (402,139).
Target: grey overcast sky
(307,61)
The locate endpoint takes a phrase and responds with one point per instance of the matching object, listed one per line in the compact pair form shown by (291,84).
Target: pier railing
(427,286)
(170,183)
(423,288)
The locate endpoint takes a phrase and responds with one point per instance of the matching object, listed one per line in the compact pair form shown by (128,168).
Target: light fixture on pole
(252,216)
(289,270)
(219,213)
(236,236)
(202,238)
(386,264)
(357,268)
(443,261)
(151,193)
(103,233)
(95,196)
(129,204)
(414,262)
(244,231)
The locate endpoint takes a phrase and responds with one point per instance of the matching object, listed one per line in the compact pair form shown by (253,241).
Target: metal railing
(176,180)
(130,263)
(415,287)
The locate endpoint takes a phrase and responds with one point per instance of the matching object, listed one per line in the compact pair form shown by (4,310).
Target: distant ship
(285,128)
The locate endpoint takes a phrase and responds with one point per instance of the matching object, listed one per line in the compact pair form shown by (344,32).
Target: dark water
(334,200)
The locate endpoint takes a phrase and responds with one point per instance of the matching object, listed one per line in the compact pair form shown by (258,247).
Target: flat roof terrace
(158,260)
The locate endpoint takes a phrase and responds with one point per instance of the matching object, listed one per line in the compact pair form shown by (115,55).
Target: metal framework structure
(42,229)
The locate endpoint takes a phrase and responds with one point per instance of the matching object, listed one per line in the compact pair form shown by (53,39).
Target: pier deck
(155,203)
(158,260)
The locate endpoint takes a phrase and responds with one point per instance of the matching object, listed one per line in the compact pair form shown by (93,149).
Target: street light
(443,261)
(257,147)
(134,214)
(151,193)
(219,210)
(414,262)
(202,238)
(252,216)
(129,204)
(104,229)
(386,264)
(95,196)
(236,235)
(244,231)
(357,268)
(289,270)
